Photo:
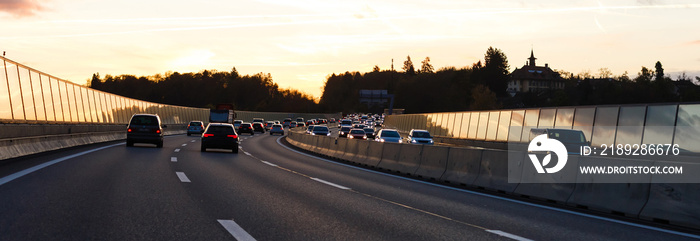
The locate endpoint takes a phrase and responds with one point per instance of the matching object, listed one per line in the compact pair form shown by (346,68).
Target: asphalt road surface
(265,192)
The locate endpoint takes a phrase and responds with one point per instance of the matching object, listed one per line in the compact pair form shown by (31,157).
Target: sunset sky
(301,42)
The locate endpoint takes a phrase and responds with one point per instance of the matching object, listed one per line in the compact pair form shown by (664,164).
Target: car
(332,120)
(145,128)
(309,129)
(287,122)
(292,124)
(320,131)
(220,136)
(388,135)
(300,124)
(237,123)
(261,120)
(416,136)
(345,122)
(246,128)
(276,122)
(277,129)
(259,127)
(300,120)
(311,122)
(268,125)
(369,132)
(357,134)
(343,132)
(195,127)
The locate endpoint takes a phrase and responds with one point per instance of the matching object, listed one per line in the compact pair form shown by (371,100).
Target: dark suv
(220,135)
(145,128)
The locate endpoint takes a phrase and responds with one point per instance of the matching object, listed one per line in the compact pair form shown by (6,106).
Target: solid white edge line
(19,174)
(173,159)
(503,198)
(235,230)
(508,235)
(330,183)
(268,163)
(247,153)
(182,176)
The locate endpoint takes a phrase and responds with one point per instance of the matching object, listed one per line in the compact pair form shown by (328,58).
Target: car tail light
(158,131)
(207,135)
(129,130)
(232,136)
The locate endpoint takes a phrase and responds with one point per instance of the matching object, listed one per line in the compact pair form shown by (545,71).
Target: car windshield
(144,120)
(421,134)
(320,128)
(357,132)
(390,134)
(345,129)
(369,130)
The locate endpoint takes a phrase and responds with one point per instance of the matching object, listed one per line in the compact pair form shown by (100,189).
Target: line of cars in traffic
(364,128)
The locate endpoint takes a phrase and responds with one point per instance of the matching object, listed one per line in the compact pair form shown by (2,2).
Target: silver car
(388,135)
(419,137)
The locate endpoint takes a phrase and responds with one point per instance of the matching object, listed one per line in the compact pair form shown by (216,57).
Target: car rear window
(195,123)
(221,130)
(144,120)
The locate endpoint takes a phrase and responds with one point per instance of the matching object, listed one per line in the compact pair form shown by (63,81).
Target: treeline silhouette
(207,88)
(480,86)
(483,87)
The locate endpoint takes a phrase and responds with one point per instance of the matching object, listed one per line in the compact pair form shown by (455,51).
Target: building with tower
(533,78)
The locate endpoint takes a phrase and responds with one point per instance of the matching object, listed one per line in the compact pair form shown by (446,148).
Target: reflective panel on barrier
(38,96)
(583,120)
(492,128)
(483,125)
(604,126)
(564,119)
(27,95)
(473,124)
(503,126)
(547,118)
(659,124)
(516,125)
(47,93)
(464,131)
(630,125)
(532,118)
(5,107)
(687,133)
(15,92)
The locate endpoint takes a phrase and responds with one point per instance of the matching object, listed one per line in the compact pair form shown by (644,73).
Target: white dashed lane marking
(173,159)
(184,144)
(177,150)
(235,230)
(182,176)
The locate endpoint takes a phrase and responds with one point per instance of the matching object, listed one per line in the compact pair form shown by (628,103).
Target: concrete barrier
(675,203)
(493,172)
(403,158)
(361,154)
(325,145)
(618,198)
(340,148)
(351,149)
(433,162)
(462,166)
(374,153)
(556,187)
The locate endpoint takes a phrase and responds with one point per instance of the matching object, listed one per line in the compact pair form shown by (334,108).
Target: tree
(495,73)
(426,67)
(659,71)
(408,66)
(376,68)
(604,73)
(484,99)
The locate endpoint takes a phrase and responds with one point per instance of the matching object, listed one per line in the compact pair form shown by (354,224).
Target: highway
(267,191)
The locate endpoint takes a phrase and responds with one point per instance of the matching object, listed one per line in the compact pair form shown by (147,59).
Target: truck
(222,114)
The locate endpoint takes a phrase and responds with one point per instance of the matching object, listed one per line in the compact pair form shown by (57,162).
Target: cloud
(20,8)
(696,42)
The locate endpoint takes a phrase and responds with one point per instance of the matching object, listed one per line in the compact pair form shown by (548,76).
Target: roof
(535,73)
